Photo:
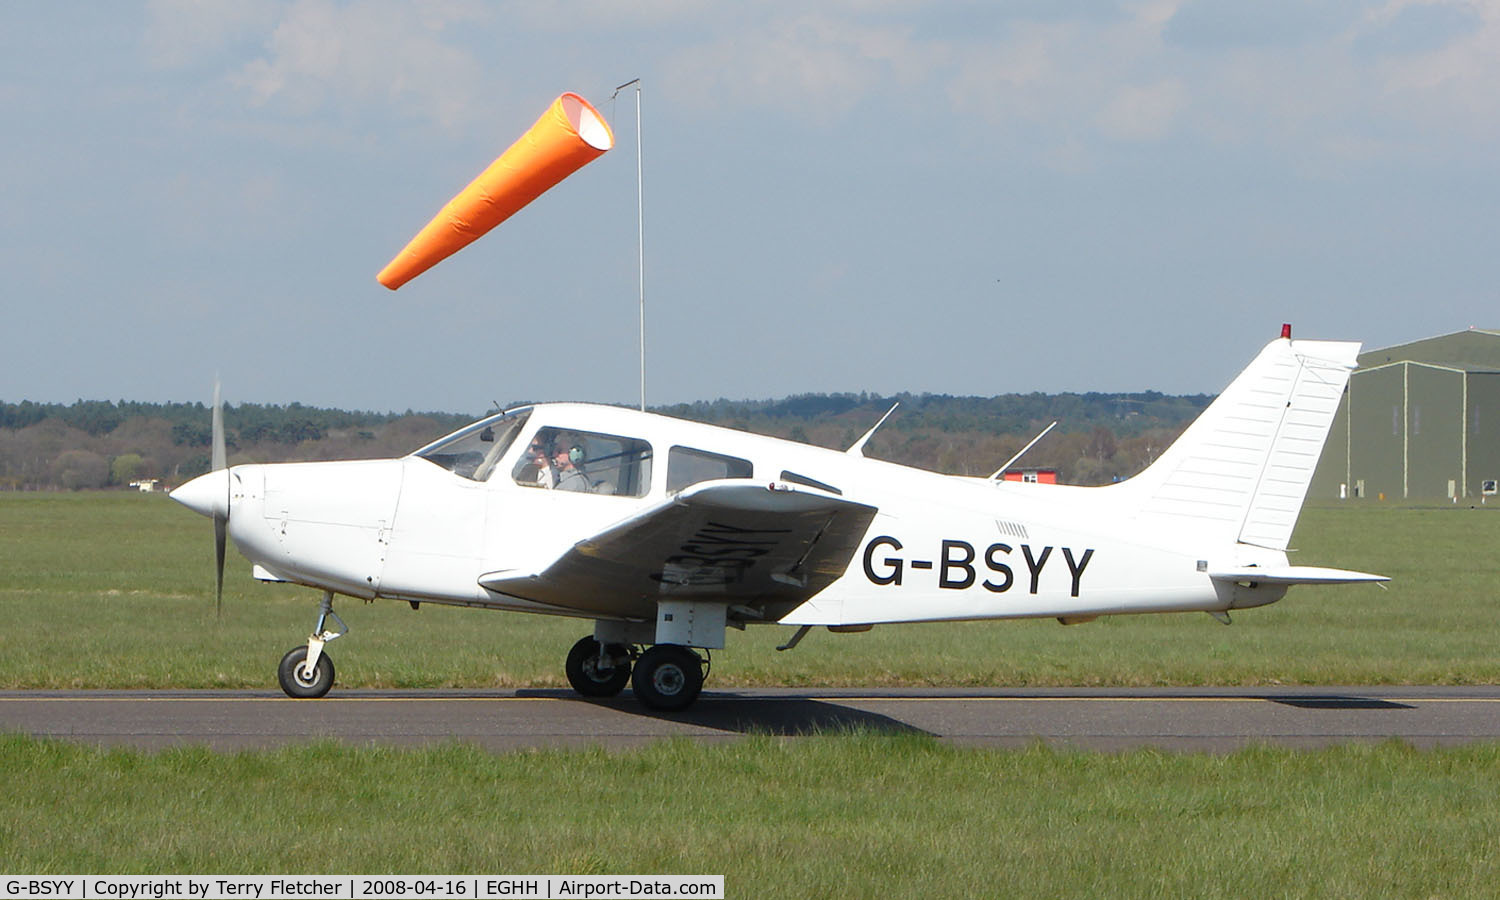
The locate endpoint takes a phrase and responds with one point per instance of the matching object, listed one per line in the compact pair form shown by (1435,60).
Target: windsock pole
(640,226)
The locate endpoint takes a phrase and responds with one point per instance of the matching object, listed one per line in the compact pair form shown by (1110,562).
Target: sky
(883,196)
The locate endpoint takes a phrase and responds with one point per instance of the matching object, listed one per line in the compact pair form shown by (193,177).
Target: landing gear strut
(307,672)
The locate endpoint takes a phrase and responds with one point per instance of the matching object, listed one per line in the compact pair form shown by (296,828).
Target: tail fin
(1241,470)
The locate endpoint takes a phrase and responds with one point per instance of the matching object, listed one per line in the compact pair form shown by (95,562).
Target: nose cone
(206,495)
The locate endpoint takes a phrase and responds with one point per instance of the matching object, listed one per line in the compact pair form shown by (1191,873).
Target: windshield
(473,452)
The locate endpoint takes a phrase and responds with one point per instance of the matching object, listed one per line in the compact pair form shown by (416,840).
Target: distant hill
(98,443)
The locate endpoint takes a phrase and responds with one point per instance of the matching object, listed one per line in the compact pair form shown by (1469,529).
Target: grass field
(115,590)
(857,815)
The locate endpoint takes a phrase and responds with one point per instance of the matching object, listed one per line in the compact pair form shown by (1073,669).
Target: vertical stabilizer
(1241,471)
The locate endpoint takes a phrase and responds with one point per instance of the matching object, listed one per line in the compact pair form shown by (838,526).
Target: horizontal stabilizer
(1295,575)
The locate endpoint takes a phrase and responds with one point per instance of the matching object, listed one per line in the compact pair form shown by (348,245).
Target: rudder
(1241,471)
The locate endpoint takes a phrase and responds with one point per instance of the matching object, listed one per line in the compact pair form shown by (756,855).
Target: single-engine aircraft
(667,533)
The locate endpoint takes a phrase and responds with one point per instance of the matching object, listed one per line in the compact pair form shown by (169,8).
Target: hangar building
(1418,421)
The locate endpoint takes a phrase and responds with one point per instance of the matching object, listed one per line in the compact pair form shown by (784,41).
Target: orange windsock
(568,135)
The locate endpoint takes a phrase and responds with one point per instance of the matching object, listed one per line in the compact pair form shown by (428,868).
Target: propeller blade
(220,460)
(220,528)
(220,457)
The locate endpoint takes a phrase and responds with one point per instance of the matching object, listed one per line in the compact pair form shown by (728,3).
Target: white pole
(640,230)
(640,226)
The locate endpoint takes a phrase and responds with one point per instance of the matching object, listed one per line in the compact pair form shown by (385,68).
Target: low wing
(767,547)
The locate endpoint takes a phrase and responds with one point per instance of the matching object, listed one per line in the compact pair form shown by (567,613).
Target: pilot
(566,460)
(537,470)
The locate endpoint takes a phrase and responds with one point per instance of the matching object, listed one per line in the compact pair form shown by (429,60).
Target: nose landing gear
(307,672)
(302,681)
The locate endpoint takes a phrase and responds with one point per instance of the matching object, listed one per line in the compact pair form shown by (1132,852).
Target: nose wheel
(302,681)
(307,672)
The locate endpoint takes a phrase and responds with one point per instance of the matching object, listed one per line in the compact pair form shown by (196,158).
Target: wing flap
(734,540)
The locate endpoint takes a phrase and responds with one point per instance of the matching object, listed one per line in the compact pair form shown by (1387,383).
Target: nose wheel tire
(593,677)
(668,677)
(297,682)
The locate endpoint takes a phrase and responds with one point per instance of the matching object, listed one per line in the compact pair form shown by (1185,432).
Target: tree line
(100,443)
(91,444)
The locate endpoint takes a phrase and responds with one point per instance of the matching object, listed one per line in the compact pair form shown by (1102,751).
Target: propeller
(219,460)
(209,495)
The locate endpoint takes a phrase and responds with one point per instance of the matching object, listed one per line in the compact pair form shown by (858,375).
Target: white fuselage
(667,533)
(939,547)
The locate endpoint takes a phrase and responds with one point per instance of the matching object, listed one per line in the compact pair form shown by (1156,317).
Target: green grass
(849,816)
(114,590)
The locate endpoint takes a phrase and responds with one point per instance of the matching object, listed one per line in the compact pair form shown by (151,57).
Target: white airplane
(666,533)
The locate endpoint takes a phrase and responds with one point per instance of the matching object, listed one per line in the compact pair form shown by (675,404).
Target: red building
(1032,474)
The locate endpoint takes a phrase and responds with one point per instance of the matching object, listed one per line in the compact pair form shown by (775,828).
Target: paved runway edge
(1215,719)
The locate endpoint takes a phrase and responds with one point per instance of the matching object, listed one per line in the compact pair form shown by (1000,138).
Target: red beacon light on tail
(1286,330)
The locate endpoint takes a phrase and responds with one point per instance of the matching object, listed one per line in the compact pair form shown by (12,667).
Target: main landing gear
(596,671)
(307,672)
(666,677)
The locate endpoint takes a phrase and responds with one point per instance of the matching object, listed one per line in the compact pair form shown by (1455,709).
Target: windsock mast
(640,226)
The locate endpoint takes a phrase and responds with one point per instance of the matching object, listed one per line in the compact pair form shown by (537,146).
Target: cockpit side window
(473,452)
(686,466)
(587,462)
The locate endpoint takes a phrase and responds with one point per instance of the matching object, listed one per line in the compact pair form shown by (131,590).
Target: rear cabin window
(585,462)
(686,466)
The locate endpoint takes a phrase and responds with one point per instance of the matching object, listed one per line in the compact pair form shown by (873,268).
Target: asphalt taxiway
(1185,719)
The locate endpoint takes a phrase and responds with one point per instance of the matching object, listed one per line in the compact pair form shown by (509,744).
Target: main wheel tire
(585,674)
(668,677)
(294,680)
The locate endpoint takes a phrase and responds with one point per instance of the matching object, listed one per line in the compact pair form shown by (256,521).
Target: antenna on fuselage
(1010,462)
(859,446)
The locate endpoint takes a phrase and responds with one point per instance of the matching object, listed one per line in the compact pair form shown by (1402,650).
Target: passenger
(565,460)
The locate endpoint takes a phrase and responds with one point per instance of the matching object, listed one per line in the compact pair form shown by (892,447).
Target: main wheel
(295,681)
(588,677)
(668,677)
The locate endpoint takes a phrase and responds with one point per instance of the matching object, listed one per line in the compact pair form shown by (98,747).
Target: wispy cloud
(188,32)
(395,54)
(310,56)
(815,64)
